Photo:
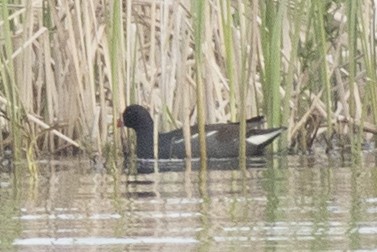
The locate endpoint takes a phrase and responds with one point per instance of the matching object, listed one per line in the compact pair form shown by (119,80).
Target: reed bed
(68,69)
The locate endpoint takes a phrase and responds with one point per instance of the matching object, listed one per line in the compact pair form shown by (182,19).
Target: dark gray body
(222,140)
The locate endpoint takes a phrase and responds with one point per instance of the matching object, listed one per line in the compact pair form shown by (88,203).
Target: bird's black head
(137,117)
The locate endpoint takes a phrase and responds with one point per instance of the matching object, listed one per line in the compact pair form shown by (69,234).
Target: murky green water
(292,203)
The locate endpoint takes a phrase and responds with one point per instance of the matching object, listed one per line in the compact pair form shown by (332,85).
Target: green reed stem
(298,16)
(199,11)
(272,22)
(245,70)
(9,83)
(116,52)
(352,7)
(368,48)
(319,30)
(115,45)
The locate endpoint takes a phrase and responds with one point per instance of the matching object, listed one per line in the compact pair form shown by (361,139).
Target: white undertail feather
(260,139)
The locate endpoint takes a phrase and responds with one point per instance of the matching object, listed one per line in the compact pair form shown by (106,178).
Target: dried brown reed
(68,68)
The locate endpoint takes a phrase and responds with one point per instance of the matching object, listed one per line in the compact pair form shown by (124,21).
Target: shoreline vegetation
(68,69)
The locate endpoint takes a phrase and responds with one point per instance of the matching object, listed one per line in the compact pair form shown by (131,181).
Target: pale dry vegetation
(68,68)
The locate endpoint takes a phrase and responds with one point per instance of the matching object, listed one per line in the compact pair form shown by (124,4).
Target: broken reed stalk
(53,88)
(45,126)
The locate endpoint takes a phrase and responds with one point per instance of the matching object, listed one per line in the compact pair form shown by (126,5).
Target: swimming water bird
(222,139)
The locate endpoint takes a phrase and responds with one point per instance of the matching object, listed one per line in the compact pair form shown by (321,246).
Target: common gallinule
(222,139)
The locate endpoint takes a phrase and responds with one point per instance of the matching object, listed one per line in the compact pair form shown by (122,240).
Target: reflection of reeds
(71,68)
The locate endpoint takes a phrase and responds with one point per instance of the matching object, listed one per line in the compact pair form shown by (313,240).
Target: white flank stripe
(211,133)
(178,141)
(260,139)
(196,136)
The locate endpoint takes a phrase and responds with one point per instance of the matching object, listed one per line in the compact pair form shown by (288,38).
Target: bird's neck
(145,142)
